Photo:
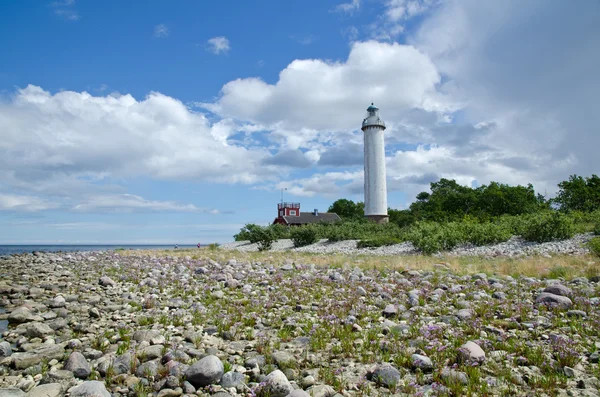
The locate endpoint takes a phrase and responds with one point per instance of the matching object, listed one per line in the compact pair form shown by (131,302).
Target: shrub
(547,226)
(597,229)
(263,236)
(432,237)
(378,242)
(594,246)
(304,235)
(486,233)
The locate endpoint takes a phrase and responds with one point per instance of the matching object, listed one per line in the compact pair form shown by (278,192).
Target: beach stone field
(143,324)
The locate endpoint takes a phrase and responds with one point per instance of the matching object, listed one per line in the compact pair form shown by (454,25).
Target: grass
(566,266)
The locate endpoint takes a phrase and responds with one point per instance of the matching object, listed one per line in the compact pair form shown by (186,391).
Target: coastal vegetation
(453,215)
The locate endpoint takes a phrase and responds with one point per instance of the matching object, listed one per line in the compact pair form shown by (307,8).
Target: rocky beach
(216,322)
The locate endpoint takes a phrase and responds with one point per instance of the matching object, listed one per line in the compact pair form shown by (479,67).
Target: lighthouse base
(378,218)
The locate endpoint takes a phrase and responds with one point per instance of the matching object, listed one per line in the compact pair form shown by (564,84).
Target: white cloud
(132,203)
(348,8)
(161,30)
(12,202)
(68,144)
(313,94)
(218,45)
(64,9)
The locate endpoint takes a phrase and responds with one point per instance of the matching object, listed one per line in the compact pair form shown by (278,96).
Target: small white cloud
(218,45)
(64,10)
(131,203)
(304,40)
(161,30)
(11,202)
(348,8)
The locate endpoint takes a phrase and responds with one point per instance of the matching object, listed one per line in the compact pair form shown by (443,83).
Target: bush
(304,235)
(378,242)
(597,229)
(547,226)
(486,233)
(594,246)
(432,237)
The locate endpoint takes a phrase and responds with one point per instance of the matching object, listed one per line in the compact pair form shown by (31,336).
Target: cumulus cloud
(218,45)
(331,96)
(161,30)
(69,143)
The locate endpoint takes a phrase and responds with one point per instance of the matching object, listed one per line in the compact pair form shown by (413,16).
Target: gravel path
(516,246)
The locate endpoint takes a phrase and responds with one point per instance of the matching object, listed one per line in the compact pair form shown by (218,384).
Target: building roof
(310,217)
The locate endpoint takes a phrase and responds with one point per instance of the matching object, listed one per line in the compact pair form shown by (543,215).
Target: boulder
(385,375)
(106,281)
(39,330)
(77,364)
(558,289)
(36,356)
(47,390)
(12,392)
(275,384)
(554,300)
(20,315)
(422,362)
(204,372)
(93,388)
(5,349)
(471,352)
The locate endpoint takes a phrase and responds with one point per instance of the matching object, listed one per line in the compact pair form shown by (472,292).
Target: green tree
(348,209)
(579,194)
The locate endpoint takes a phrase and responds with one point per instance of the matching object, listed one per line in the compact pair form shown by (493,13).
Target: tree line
(450,201)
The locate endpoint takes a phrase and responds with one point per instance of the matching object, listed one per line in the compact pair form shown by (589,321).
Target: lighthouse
(375,185)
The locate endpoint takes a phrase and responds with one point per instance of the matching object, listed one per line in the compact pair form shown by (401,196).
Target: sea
(20,249)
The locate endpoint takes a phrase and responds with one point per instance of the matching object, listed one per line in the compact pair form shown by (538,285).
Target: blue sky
(178,122)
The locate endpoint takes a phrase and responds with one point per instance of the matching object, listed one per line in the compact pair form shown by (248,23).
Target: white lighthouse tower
(375,185)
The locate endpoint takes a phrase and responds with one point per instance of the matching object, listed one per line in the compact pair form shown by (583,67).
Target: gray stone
(390,311)
(36,356)
(20,315)
(77,364)
(422,362)
(464,314)
(283,359)
(58,301)
(555,300)
(147,369)
(386,375)
(321,391)
(576,313)
(47,390)
(39,330)
(106,281)
(92,388)
(145,335)
(188,388)
(5,349)
(233,379)
(452,376)
(204,372)
(150,352)
(12,392)
(275,385)
(298,393)
(170,392)
(558,289)
(471,352)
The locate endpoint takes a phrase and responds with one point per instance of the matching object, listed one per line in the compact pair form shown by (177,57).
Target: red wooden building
(289,214)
